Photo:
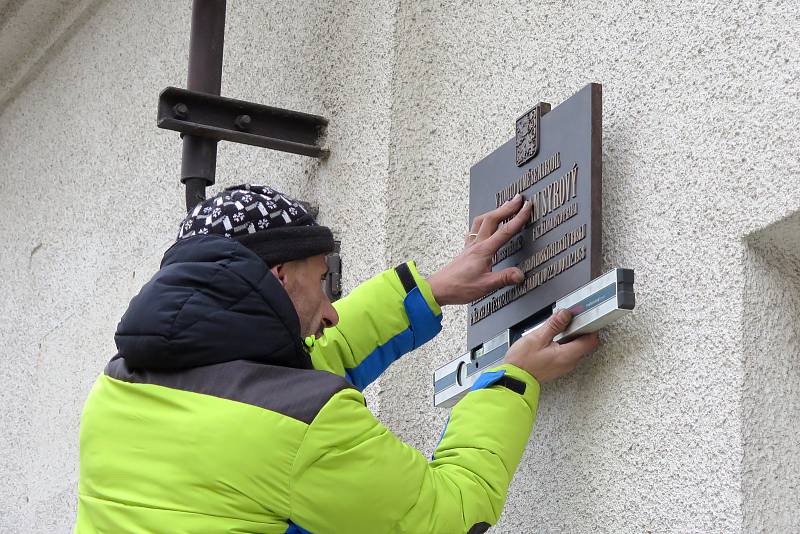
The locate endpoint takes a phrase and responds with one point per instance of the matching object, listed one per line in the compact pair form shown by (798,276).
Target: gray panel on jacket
(296,393)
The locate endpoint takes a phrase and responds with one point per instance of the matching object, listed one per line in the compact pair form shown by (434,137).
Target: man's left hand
(470,276)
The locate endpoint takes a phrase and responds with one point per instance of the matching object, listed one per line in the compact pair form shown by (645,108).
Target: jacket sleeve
(379,321)
(352,475)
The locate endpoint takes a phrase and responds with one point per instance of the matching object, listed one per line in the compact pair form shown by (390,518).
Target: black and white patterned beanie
(269,223)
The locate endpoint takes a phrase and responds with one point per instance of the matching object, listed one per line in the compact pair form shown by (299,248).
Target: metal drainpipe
(199,159)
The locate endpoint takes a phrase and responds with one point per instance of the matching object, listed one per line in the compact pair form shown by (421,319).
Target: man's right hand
(545,359)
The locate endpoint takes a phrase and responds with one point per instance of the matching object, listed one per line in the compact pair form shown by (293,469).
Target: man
(234,403)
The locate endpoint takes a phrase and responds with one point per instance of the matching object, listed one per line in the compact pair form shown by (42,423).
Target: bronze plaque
(559,248)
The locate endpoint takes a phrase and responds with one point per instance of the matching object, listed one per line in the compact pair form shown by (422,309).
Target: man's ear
(279,271)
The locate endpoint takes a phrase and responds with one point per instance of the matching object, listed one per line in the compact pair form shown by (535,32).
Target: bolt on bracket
(227,119)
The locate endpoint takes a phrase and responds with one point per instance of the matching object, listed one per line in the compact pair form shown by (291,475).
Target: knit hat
(274,226)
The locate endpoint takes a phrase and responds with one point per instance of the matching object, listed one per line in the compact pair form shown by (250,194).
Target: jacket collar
(212,301)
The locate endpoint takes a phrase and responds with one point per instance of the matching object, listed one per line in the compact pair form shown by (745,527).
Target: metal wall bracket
(312,209)
(227,119)
(204,117)
(333,280)
(332,285)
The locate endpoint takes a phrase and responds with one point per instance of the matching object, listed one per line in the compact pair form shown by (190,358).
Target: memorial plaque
(554,160)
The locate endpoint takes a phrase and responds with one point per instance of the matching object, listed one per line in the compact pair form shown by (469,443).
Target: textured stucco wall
(31,31)
(700,149)
(646,435)
(92,197)
(771,396)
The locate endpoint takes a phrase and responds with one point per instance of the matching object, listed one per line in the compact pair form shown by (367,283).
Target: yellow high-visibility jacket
(216,417)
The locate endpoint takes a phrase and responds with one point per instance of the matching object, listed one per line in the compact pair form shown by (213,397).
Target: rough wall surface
(700,147)
(31,31)
(771,396)
(646,435)
(93,200)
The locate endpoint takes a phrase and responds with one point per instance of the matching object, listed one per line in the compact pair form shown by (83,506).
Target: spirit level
(595,305)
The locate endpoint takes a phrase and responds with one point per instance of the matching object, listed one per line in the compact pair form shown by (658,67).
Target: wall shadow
(771,378)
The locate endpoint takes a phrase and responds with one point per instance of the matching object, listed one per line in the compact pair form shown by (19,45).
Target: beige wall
(771,384)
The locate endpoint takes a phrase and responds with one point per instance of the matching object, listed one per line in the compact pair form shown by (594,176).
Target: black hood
(212,301)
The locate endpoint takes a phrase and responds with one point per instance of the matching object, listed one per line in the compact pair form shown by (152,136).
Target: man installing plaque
(234,402)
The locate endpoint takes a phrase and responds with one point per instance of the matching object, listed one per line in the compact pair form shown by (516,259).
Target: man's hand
(469,276)
(545,359)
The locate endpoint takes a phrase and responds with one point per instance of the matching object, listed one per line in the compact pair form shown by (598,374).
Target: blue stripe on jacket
(423,326)
(294,529)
